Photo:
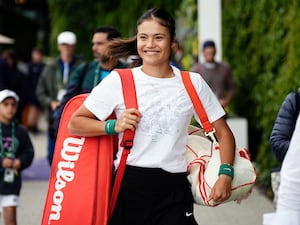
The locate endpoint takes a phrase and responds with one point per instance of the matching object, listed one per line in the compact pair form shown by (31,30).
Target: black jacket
(24,151)
(284,125)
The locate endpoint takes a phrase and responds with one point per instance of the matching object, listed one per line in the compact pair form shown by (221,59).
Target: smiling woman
(154,46)
(154,189)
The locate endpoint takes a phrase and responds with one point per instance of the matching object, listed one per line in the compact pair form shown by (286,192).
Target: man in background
(218,75)
(89,74)
(53,81)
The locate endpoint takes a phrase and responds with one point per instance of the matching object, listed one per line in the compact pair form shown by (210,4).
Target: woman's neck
(159,72)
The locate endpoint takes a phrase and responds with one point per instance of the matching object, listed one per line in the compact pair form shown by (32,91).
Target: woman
(154,188)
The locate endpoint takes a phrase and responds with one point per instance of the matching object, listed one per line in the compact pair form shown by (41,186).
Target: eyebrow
(163,34)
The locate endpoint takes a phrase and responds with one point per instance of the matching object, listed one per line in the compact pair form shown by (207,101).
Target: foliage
(187,33)
(83,16)
(264,57)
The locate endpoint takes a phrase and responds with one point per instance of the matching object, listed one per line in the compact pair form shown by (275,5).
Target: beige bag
(203,158)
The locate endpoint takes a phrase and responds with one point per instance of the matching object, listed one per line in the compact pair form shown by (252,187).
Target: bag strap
(130,100)
(207,126)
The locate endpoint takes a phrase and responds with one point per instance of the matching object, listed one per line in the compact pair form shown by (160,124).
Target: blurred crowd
(22,78)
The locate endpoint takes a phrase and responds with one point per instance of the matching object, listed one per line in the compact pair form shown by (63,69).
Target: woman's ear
(174,44)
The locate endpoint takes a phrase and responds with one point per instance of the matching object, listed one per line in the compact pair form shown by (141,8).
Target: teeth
(151,53)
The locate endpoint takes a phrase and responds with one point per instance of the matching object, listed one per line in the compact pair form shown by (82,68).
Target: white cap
(4,94)
(66,37)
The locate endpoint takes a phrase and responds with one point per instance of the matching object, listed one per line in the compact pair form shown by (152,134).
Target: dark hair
(163,17)
(112,33)
(208,43)
(125,47)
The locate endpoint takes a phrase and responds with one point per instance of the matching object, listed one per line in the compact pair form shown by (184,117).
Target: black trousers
(152,196)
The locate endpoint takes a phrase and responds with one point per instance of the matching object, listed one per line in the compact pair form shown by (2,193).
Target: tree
(83,16)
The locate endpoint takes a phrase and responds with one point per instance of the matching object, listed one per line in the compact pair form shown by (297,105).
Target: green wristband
(110,127)
(227,170)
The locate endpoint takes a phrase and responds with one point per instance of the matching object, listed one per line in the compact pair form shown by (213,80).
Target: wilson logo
(70,153)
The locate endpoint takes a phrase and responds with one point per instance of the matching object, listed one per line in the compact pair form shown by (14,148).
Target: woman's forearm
(85,126)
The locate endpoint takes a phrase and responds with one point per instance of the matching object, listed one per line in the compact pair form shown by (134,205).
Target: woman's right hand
(128,120)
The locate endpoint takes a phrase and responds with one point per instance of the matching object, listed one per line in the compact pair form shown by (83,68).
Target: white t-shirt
(167,110)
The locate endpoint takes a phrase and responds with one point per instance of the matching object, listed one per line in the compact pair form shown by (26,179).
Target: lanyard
(62,77)
(12,149)
(97,75)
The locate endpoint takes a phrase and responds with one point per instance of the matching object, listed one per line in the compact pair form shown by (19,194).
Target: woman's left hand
(221,191)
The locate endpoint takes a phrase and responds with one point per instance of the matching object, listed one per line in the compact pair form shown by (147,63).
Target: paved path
(33,194)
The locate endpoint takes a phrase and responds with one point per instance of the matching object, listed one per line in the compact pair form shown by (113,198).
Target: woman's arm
(84,123)
(222,188)
(226,141)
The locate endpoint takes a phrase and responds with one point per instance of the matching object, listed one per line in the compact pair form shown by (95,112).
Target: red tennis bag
(72,196)
(79,190)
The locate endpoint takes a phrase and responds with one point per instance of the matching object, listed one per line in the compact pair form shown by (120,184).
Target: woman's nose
(150,42)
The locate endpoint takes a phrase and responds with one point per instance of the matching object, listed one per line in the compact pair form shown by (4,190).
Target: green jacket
(85,81)
(50,82)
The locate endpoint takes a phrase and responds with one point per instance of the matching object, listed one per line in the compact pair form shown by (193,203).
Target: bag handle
(130,101)
(207,126)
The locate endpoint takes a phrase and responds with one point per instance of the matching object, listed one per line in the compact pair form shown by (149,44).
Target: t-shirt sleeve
(105,97)
(211,104)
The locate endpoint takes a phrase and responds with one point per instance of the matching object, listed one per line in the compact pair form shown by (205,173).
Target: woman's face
(153,43)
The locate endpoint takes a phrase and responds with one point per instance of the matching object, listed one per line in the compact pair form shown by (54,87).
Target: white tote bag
(203,158)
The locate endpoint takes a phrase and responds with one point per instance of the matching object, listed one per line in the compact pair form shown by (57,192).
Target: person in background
(177,54)
(5,74)
(288,204)
(89,74)
(281,134)
(218,75)
(53,82)
(156,169)
(16,154)
(16,81)
(284,125)
(34,70)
